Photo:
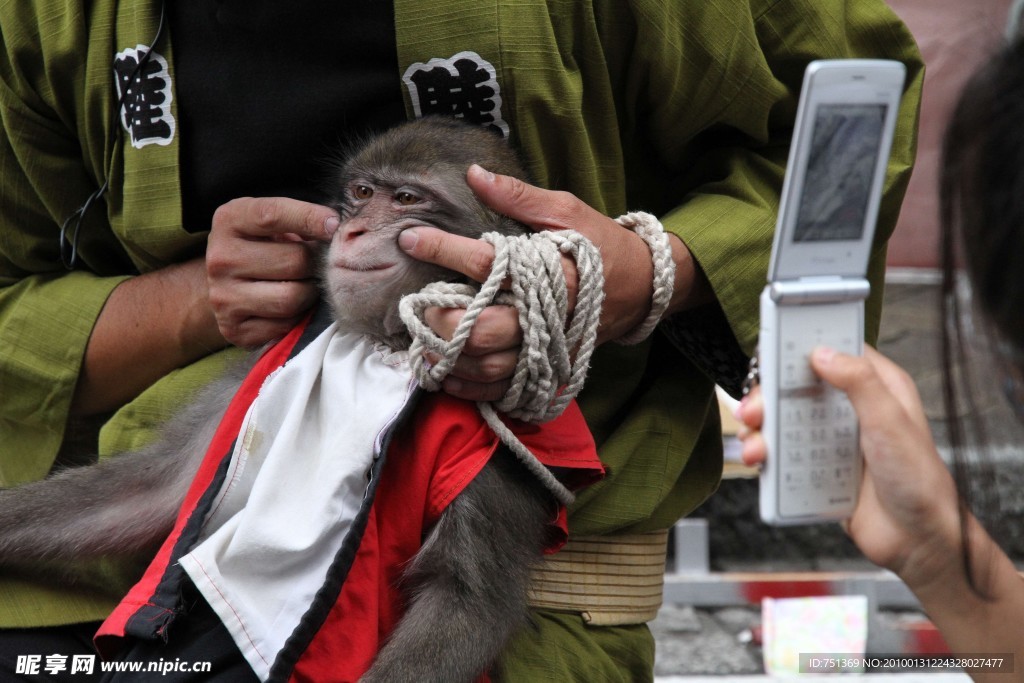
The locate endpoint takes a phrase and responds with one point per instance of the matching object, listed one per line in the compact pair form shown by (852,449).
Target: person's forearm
(150,325)
(691,285)
(975,622)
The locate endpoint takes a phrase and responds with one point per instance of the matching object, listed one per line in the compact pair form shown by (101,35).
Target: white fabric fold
(297,478)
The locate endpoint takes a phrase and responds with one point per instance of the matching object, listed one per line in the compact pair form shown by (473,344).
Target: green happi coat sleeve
(57,145)
(46,312)
(747,81)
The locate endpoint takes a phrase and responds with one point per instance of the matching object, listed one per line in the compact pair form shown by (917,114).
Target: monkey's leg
(469,581)
(121,505)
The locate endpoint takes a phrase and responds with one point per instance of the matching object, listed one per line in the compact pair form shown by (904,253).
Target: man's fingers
(251,333)
(246,259)
(496,329)
(271,216)
(494,367)
(484,369)
(261,310)
(534,206)
(471,257)
(285,299)
(475,391)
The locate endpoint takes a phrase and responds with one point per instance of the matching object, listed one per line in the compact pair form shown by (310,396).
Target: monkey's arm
(468,583)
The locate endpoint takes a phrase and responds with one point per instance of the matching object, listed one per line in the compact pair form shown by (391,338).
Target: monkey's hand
(260,265)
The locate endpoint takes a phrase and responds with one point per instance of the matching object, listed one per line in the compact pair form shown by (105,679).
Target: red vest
(439,448)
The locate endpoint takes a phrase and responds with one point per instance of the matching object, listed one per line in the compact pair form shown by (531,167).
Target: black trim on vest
(152,620)
(325,599)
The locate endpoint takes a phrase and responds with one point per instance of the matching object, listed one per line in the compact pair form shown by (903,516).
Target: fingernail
(482,173)
(331,225)
(407,239)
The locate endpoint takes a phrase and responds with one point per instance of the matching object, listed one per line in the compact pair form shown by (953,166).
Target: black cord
(69,247)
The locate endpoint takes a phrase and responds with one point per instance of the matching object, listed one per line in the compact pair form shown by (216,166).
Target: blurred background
(723,560)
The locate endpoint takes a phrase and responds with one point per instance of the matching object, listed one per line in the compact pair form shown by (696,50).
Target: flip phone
(817,285)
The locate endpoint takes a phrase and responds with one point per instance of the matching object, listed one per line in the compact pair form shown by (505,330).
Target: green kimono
(679,108)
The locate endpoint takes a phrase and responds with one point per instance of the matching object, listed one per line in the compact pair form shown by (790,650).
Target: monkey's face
(365,272)
(412,175)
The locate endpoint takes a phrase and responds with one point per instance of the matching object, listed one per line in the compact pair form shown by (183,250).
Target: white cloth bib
(296,479)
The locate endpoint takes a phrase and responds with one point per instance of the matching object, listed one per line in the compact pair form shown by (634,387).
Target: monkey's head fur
(412,175)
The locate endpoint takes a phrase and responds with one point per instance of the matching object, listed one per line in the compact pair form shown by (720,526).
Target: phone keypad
(818,440)
(818,434)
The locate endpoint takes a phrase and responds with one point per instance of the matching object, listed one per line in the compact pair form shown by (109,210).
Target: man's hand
(260,265)
(488,361)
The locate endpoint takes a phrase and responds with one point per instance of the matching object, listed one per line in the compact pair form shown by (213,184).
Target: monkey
(467,585)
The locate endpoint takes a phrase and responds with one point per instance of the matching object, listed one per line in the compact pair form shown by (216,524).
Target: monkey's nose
(350,232)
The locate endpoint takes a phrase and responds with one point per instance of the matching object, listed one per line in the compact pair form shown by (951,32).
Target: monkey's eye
(362,192)
(406,198)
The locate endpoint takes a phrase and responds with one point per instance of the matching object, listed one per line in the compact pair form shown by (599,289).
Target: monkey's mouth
(364,267)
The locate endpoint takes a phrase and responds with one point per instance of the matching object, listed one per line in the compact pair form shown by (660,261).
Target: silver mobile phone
(817,285)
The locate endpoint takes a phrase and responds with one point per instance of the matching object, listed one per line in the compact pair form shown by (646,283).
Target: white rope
(650,230)
(555,353)
(546,377)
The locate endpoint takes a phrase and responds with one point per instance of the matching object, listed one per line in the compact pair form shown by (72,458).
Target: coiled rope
(555,354)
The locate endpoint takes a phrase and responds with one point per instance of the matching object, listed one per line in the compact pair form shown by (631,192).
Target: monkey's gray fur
(466,588)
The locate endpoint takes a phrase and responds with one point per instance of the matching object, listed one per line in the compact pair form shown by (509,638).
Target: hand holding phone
(817,285)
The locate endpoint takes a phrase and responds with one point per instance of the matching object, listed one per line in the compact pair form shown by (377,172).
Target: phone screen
(840,169)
